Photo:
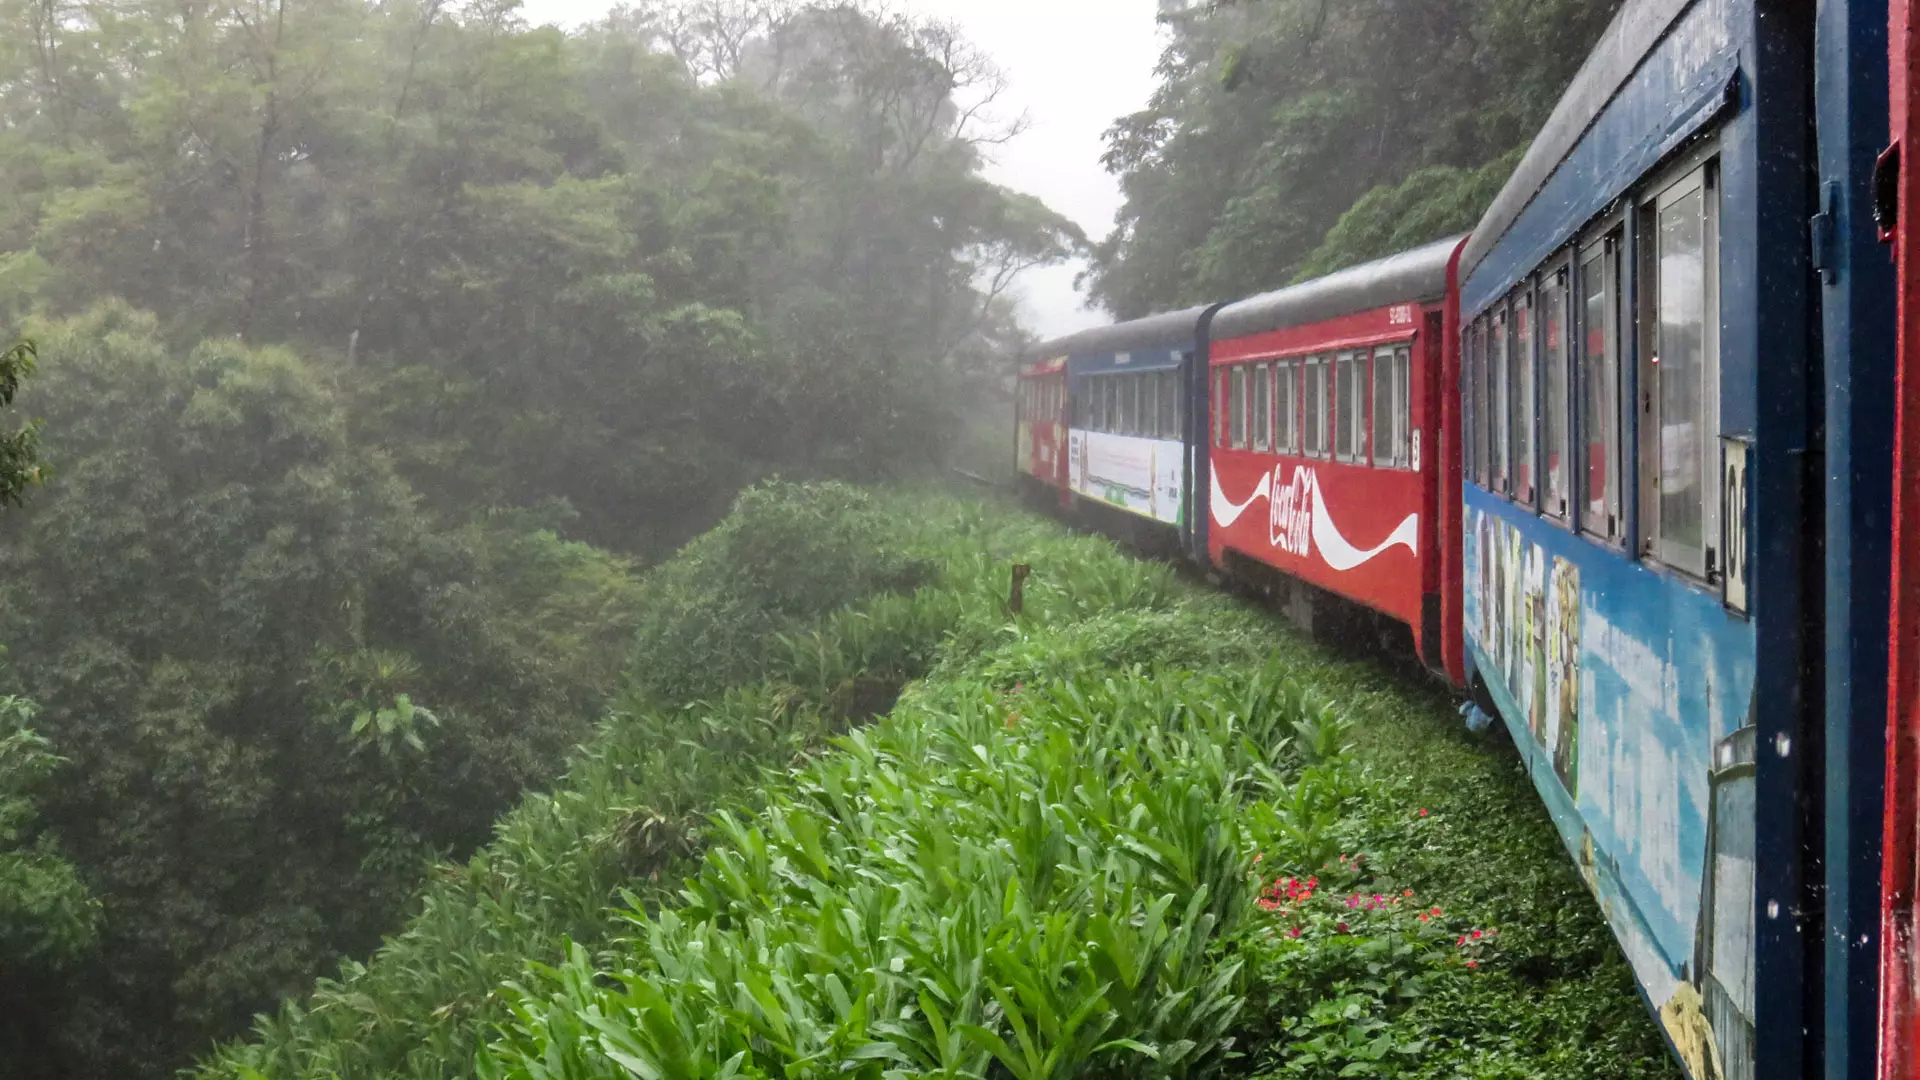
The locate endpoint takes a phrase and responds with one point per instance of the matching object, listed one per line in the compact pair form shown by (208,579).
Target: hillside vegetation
(374,346)
(1136,828)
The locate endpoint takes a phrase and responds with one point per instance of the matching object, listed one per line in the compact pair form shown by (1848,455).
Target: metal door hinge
(1822,230)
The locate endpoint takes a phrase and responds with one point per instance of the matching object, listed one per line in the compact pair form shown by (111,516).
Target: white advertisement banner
(1142,476)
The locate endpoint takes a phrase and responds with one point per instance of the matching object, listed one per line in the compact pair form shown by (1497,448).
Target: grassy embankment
(1140,829)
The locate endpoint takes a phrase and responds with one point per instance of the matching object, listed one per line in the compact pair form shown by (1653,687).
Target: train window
(1237,409)
(1403,407)
(1680,380)
(1350,407)
(1472,412)
(1554,322)
(1170,404)
(1500,412)
(1600,386)
(1525,404)
(1219,404)
(1392,408)
(1317,443)
(1286,404)
(1383,414)
(1262,407)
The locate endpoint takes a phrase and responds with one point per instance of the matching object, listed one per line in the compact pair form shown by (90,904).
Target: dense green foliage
(47,917)
(281,690)
(1289,138)
(1031,867)
(357,324)
(631,267)
(20,466)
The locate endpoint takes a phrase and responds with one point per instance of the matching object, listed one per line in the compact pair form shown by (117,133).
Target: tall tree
(1276,118)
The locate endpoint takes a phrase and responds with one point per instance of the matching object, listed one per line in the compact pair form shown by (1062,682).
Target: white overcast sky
(1073,67)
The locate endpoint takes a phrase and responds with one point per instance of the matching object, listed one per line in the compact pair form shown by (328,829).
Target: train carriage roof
(1635,31)
(1420,274)
(1164,330)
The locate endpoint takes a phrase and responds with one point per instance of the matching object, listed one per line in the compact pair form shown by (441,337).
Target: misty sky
(1074,66)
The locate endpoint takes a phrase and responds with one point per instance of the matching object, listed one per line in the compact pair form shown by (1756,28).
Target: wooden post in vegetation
(1017,598)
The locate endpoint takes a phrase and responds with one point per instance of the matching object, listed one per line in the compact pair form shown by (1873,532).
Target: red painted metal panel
(1043,435)
(1449,462)
(1364,533)
(1899,969)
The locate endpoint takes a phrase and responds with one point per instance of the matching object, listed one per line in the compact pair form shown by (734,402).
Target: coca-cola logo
(1290,526)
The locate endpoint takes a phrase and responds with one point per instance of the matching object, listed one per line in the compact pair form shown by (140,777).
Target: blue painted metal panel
(1619,685)
(1850,103)
(1767,258)
(1741,70)
(1082,365)
(1679,88)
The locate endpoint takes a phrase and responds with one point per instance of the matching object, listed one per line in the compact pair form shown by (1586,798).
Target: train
(1635,465)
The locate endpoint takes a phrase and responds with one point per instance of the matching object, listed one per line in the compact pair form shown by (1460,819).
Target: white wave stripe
(1343,556)
(1225,511)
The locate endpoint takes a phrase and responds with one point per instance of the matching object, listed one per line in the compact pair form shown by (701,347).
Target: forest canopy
(1291,138)
(375,347)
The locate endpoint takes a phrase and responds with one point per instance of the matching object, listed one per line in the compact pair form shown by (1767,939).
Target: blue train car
(1134,462)
(1653,600)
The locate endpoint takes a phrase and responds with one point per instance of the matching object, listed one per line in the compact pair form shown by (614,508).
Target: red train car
(1041,442)
(1900,867)
(1328,463)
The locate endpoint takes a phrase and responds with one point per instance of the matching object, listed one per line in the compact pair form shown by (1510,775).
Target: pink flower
(1295,932)
(1477,935)
(1343,928)
(1423,812)
(1473,963)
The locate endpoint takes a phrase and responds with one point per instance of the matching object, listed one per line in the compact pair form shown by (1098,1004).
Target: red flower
(1477,935)
(1343,928)
(1435,913)
(1423,812)
(1295,932)
(1473,963)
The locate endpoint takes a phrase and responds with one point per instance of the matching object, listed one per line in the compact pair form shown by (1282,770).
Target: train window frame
(1500,398)
(1262,407)
(1603,519)
(1219,399)
(1696,173)
(1398,416)
(1472,408)
(1315,408)
(1237,408)
(1556,443)
(1171,401)
(1286,407)
(1344,392)
(1523,361)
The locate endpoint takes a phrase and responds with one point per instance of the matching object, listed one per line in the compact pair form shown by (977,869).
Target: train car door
(1899,222)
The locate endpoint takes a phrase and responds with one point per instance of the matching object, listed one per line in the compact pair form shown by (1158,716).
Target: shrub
(788,553)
